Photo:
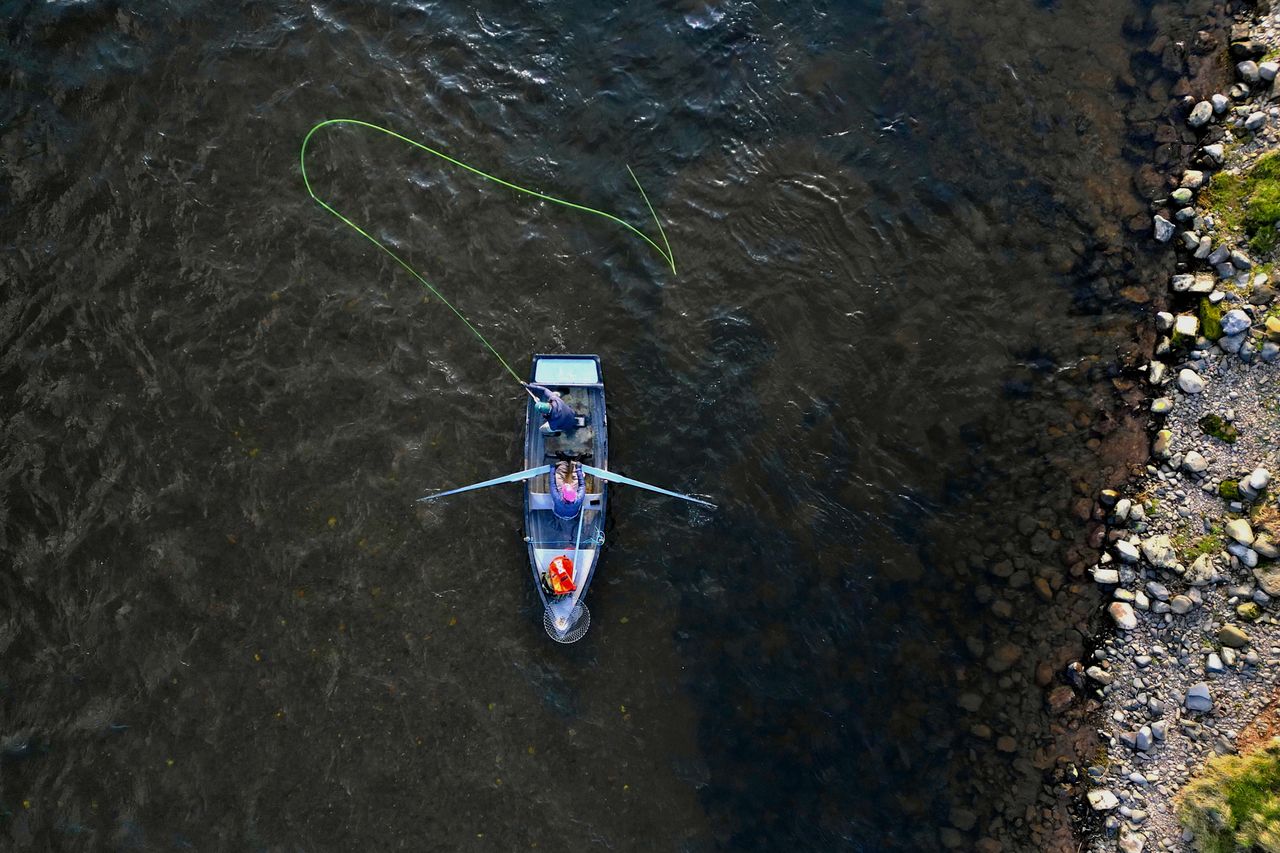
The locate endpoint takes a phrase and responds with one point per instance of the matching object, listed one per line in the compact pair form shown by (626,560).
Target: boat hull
(580,382)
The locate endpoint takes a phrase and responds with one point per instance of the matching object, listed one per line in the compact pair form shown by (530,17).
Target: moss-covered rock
(1229,490)
(1248,202)
(1210,319)
(1235,802)
(1215,426)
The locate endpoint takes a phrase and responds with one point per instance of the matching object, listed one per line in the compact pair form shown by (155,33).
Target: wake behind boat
(566,477)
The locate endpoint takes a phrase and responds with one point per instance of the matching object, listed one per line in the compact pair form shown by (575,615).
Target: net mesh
(578,623)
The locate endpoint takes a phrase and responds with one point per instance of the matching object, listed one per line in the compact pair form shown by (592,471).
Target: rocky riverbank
(1190,567)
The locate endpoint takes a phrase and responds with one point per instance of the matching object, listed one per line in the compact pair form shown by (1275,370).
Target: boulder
(1159,552)
(1239,530)
(1233,637)
(1189,381)
(1122,614)
(1235,321)
(1269,579)
(1199,698)
(1102,800)
(1203,571)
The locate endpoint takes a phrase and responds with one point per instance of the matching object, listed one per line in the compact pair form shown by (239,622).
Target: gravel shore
(1190,562)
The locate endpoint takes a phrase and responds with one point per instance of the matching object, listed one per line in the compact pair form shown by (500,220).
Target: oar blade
(611,477)
(496,481)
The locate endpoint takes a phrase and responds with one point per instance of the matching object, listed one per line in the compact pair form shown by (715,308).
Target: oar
(509,478)
(627,481)
(577,542)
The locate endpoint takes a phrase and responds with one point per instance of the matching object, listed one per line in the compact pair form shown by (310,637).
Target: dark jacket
(561,417)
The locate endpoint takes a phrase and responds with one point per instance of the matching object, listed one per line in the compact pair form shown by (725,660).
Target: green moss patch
(1249,202)
(1210,319)
(1229,490)
(1215,426)
(1235,803)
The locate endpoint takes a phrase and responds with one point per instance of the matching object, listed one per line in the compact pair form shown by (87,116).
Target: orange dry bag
(560,574)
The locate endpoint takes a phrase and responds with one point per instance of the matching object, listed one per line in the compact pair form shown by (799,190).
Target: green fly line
(664,250)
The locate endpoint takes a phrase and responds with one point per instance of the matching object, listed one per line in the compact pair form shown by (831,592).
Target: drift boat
(566,547)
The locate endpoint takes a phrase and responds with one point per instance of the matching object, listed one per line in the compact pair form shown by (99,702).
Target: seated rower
(567,489)
(557,414)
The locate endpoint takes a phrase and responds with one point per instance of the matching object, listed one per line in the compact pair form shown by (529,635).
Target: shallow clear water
(904,272)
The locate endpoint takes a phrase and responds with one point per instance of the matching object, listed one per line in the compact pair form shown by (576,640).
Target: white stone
(1159,552)
(1102,800)
(1189,381)
(1106,576)
(1122,614)
(1194,463)
(1187,325)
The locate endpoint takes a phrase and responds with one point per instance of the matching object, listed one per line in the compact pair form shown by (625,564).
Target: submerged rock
(1164,229)
(1200,114)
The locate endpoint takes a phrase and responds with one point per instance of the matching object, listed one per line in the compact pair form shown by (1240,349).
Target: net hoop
(579,622)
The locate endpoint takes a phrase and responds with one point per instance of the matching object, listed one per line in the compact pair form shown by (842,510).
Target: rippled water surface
(901,236)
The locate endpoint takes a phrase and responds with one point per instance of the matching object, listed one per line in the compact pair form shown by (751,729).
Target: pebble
(1220,103)
(1161,406)
(1255,121)
(1248,71)
(1164,228)
(1267,70)
(1200,114)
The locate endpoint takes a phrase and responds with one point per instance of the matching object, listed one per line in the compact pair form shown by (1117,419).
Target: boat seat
(573,443)
(542,500)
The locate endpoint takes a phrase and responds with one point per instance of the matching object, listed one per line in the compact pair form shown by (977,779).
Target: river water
(905,304)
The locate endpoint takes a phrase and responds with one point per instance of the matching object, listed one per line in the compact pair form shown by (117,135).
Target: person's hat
(542,407)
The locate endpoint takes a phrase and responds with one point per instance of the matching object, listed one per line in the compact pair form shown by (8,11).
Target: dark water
(906,285)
